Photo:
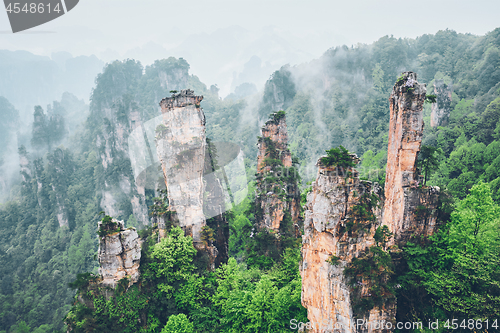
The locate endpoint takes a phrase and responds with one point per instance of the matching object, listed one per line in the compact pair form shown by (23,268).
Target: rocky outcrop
(335,228)
(277,189)
(279,92)
(113,149)
(117,111)
(275,129)
(344,216)
(181,145)
(119,254)
(442,108)
(402,183)
(193,189)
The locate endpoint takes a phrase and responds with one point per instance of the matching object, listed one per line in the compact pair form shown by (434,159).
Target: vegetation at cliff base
(173,295)
(457,274)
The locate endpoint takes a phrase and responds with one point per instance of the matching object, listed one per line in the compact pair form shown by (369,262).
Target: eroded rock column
(119,253)
(405,136)
(334,229)
(341,221)
(277,188)
(181,147)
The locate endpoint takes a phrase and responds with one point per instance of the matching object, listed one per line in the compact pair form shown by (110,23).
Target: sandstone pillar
(181,145)
(405,136)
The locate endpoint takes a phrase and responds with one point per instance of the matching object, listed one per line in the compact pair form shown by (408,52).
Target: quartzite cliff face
(188,169)
(193,190)
(181,145)
(119,254)
(333,225)
(402,182)
(278,192)
(117,111)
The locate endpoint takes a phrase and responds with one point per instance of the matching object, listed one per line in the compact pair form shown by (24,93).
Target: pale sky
(111,28)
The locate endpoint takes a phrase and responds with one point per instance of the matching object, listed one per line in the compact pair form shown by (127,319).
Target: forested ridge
(338,99)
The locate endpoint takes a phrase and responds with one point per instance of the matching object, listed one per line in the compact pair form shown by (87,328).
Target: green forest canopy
(454,274)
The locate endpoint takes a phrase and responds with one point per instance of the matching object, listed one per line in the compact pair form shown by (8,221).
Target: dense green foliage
(428,160)
(40,257)
(457,274)
(338,157)
(264,247)
(48,129)
(173,296)
(471,149)
(48,230)
(361,215)
(375,268)
(351,109)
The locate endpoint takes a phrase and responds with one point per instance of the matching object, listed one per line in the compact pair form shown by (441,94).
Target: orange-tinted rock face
(325,290)
(405,207)
(274,129)
(405,136)
(277,188)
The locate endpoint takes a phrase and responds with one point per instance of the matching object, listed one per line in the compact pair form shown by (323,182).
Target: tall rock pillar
(403,192)
(335,232)
(181,145)
(119,253)
(343,216)
(193,190)
(278,192)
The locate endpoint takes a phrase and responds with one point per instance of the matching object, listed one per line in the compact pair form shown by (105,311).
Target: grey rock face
(119,255)
(442,108)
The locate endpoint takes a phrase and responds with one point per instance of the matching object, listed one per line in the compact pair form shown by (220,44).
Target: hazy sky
(110,28)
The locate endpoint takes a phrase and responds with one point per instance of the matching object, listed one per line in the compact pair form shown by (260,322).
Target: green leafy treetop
(430,99)
(278,115)
(339,157)
(178,324)
(382,235)
(108,226)
(428,160)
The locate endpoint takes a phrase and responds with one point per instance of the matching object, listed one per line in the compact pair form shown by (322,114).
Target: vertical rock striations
(124,100)
(215,201)
(181,145)
(442,108)
(114,114)
(342,214)
(278,193)
(185,157)
(119,253)
(348,222)
(402,192)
